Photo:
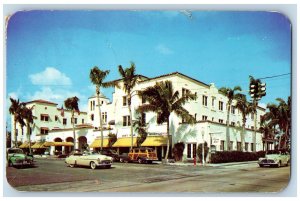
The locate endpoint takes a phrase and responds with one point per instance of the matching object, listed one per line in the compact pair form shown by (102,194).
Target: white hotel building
(53,131)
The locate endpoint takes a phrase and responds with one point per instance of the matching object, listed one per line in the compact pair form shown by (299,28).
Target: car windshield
(15,151)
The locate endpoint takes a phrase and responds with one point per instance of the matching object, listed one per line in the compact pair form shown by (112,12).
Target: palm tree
(26,113)
(140,127)
(230,94)
(266,129)
(97,77)
(72,104)
(15,110)
(284,119)
(246,108)
(130,79)
(163,100)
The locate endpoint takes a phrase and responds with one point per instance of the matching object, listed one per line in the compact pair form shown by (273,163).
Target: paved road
(55,176)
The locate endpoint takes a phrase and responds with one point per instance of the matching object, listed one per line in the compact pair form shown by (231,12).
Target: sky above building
(50,53)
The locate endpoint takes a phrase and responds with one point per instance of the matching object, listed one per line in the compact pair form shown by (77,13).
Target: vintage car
(16,157)
(275,160)
(142,155)
(91,159)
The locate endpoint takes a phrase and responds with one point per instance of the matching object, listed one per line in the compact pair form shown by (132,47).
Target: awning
(25,145)
(97,143)
(155,141)
(125,142)
(57,144)
(38,145)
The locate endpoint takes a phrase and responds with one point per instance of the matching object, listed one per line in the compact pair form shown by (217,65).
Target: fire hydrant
(195,161)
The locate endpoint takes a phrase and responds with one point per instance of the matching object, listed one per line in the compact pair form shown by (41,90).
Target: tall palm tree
(163,100)
(130,80)
(97,77)
(246,108)
(72,104)
(15,110)
(230,94)
(267,130)
(140,128)
(26,113)
(284,120)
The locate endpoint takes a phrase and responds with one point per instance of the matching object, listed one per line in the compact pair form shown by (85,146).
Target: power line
(274,76)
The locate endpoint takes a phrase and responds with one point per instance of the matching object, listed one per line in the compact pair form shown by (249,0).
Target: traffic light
(261,89)
(253,89)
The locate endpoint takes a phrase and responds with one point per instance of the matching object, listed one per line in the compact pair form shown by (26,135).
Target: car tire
(140,161)
(279,164)
(10,164)
(93,165)
(121,160)
(260,165)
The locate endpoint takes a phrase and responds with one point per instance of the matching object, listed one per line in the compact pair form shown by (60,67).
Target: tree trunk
(73,126)
(15,131)
(28,136)
(227,129)
(254,135)
(243,137)
(100,117)
(168,141)
(130,119)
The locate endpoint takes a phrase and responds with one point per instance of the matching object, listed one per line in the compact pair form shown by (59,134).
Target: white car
(90,159)
(277,160)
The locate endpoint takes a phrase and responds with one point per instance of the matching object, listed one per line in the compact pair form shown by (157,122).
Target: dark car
(111,153)
(124,158)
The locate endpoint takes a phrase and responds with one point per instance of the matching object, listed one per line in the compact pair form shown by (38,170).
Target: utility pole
(257,90)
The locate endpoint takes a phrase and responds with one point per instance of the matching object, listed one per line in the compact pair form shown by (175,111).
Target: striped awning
(125,142)
(57,144)
(155,141)
(97,143)
(38,145)
(25,145)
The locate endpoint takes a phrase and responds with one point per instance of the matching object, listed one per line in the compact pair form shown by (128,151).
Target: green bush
(178,151)
(235,156)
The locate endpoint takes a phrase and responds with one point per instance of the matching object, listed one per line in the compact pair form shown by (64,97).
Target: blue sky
(50,53)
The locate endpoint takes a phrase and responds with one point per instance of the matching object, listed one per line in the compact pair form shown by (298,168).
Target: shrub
(199,151)
(235,156)
(178,151)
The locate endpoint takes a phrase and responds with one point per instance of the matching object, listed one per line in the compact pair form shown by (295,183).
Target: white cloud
(163,49)
(50,76)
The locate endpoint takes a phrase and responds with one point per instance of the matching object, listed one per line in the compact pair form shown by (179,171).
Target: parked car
(90,159)
(276,160)
(16,157)
(142,155)
(124,158)
(111,153)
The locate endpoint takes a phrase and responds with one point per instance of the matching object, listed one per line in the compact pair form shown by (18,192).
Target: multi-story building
(209,110)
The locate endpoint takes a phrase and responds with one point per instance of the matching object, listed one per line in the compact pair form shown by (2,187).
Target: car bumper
(104,163)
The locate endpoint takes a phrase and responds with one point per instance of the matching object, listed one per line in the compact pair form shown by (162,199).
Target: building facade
(209,110)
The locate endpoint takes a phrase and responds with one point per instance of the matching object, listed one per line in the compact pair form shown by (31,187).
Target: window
(184,91)
(232,123)
(252,127)
(104,117)
(222,145)
(56,118)
(44,117)
(75,120)
(204,100)
(92,117)
(232,109)
(213,101)
(124,100)
(195,116)
(64,121)
(191,150)
(252,147)
(252,116)
(126,120)
(204,118)
(143,119)
(44,131)
(82,121)
(212,119)
(92,104)
(239,146)
(221,105)
(221,121)
(246,146)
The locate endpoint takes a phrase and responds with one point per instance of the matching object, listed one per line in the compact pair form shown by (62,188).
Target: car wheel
(10,164)
(140,161)
(279,164)
(260,165)
(149,162)
(93,165)
(121,160)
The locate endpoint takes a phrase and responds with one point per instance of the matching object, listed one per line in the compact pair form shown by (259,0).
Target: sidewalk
(210,164)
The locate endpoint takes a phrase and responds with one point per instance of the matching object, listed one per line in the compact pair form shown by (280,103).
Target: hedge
(235,156)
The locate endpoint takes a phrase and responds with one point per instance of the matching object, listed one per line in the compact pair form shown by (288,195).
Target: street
(54,176)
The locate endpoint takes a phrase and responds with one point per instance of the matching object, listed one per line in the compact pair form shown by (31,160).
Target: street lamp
(203,160)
